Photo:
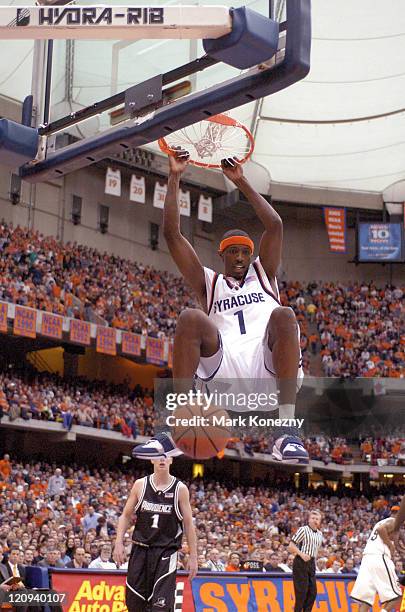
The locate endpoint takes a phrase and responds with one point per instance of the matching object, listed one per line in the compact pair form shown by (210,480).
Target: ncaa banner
(3,317)
(155,351)
(51,325)
(80,331)
(335,219)
(130,343)
(380,242)
(25,322)
(106,340)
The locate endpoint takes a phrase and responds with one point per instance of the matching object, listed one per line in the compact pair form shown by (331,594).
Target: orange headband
(235,240)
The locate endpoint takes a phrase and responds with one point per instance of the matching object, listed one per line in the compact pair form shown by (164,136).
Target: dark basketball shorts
(151,579)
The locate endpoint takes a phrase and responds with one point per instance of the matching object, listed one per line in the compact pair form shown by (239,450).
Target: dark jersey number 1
(241,320)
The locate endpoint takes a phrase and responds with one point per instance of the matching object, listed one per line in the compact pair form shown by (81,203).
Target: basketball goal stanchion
(240,37)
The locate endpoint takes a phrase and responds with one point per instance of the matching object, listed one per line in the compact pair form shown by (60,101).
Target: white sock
(286,411)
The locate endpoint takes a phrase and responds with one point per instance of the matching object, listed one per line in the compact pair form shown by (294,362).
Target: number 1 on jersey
(241,321)
(155,521)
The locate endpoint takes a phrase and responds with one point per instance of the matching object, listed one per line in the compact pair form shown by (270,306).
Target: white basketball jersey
(241,312)
(375,545)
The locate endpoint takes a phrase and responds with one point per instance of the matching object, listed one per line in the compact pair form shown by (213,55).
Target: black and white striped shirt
(308,540)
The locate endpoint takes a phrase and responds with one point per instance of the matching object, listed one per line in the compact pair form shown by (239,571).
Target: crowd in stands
(320,448)
(29,394)
(358,328)
(67,516)
(361,329)
(79,281)
(48,397)
(383,450)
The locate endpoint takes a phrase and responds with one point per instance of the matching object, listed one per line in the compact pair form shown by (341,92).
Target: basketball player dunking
(242,332)
(161,504)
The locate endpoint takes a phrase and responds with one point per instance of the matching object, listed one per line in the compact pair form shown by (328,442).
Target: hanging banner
(131,343)
(137,189)
(170,354)
(159,195)
(80,331)
(25,322)
(3,317)
(184,203)
(335,219)
(205,208)
(106,340)
(51,325)
(113,182)
(155,351)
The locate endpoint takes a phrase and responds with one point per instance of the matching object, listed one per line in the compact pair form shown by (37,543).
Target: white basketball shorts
(248,367)
(376,577)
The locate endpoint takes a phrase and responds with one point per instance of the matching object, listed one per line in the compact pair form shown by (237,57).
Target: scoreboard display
(380,242)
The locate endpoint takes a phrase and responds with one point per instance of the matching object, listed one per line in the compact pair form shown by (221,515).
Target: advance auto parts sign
(105,591)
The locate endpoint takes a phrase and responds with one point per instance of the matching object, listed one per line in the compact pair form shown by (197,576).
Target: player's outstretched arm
(124,522)
(185,509)
(180,249)
(272,238)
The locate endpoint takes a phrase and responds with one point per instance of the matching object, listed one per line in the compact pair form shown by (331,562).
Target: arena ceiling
(343,127)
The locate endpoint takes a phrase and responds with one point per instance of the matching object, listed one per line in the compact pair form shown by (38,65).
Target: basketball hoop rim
(223,120)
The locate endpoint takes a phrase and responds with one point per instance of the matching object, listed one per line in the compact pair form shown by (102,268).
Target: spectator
(348,567)
(13,566)
(78,561)
(287,566)
(104,560)
(233,563)
(56,484)
(63,557)
(5,468)
(357,562)
(52,558)
(335,568)
(321,565)
(214,563)
(87,559)
(274,564)
(28,557)
(90,520)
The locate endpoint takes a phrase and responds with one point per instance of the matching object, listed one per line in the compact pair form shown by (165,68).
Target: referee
(305,545)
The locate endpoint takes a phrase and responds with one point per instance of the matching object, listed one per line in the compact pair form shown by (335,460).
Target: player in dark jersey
(161,504)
